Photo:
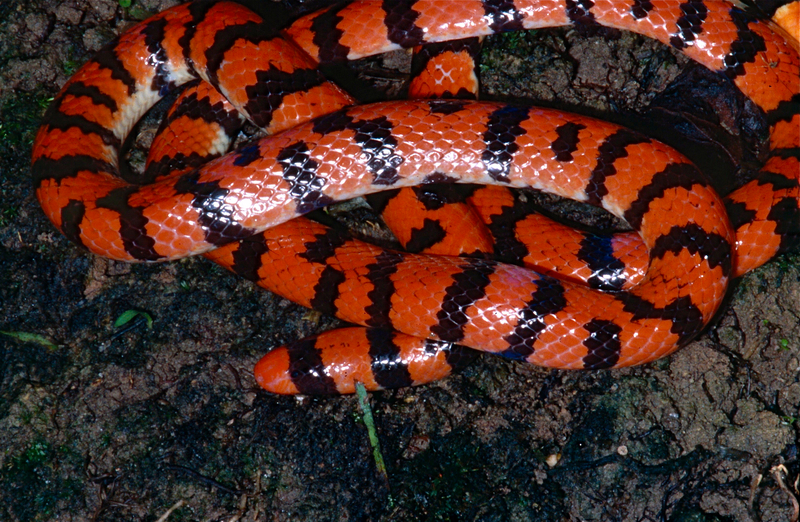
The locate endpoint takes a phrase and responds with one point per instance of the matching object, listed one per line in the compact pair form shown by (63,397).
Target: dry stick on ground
(165,516)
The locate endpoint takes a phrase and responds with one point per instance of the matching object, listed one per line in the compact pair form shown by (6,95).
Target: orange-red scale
(788,18)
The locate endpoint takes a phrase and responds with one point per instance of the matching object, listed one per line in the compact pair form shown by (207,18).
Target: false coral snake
(276,83)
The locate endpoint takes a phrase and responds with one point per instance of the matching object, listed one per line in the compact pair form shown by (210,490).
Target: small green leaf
(26,337)
(129,315)
(125,3)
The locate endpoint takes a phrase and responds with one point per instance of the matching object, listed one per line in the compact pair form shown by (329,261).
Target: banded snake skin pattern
(696,241)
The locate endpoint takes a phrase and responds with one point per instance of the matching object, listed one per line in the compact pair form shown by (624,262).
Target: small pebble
(552,459)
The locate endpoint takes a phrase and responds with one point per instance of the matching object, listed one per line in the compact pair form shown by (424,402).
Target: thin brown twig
(165,516)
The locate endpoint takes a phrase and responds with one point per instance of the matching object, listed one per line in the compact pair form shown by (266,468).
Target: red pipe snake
(343,153)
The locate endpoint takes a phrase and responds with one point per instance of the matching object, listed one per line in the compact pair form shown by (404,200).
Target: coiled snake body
(241,203)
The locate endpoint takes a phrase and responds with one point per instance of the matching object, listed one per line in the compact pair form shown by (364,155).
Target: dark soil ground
(166,423)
